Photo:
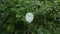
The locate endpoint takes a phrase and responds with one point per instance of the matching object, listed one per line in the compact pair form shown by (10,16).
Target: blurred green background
(46,16)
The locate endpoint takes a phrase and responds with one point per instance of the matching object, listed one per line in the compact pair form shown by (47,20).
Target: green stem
(28,28)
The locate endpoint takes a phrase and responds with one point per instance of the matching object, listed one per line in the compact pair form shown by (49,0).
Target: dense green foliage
(46,16)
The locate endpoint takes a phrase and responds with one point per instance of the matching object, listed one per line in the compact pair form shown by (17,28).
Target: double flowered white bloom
(29,17)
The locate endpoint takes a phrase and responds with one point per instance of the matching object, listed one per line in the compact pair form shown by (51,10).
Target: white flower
(29,17)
